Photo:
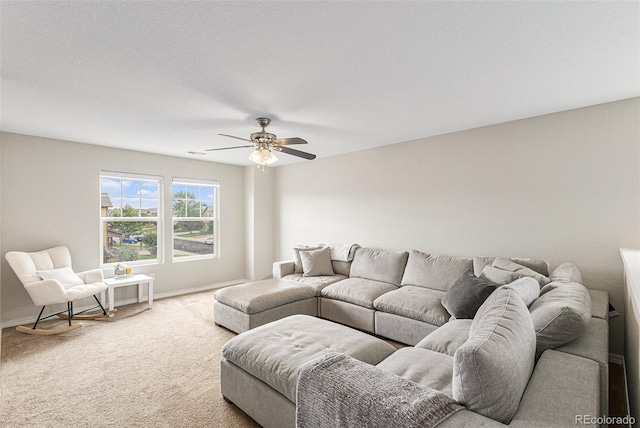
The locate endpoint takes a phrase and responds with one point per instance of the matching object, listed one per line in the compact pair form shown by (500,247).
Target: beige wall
(563,187)
(259,221)
(50,196)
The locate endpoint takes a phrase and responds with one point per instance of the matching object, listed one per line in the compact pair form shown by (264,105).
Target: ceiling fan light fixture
(262,157)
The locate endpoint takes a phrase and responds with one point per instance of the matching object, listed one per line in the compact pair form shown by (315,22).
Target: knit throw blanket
(339,391)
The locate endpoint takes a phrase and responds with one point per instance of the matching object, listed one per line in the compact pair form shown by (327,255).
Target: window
(130,216)
(195,219)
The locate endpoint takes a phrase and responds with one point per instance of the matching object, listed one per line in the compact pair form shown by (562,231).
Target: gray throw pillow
(297,263)
(466,295)
(316,262)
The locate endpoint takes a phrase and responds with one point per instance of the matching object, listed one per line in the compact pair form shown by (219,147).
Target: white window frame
(215,218)
(158,218)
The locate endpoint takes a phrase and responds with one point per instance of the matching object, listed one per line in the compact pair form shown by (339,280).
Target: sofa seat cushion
(448,338)
(417,303)
(492,368)
(274,352)
(434,271)
(317,283)
(254,297)
(378,265)
(357,291)
(421,366)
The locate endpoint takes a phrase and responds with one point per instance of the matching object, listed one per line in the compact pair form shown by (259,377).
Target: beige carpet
(157,368)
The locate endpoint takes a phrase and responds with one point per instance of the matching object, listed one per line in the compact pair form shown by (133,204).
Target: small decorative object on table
(120,269)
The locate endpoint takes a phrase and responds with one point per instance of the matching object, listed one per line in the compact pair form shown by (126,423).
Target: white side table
(129,280)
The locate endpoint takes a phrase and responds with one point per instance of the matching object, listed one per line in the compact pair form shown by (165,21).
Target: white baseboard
(156,296)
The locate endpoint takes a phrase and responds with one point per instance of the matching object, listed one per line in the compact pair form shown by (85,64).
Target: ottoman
(245,306)
(259,368)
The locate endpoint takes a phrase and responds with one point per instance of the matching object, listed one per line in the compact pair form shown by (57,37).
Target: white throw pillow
(297,263)
(316,262)
(65,276)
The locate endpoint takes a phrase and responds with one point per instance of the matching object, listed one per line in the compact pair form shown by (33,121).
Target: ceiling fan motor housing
(262,137)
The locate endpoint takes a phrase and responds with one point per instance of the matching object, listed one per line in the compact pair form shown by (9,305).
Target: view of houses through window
(130,217)
(194,205)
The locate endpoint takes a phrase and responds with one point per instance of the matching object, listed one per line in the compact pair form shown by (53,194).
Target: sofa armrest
(562,389)
(284,268)
(594,345)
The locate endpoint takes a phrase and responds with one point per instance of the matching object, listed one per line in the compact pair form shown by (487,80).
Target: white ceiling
(167,77)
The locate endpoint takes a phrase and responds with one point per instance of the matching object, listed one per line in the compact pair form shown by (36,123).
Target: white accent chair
(63,285)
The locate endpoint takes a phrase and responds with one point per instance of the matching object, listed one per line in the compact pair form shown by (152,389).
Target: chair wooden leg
(44,332)
(47,332)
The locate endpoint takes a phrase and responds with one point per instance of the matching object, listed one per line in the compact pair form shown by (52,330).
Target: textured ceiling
(167,77)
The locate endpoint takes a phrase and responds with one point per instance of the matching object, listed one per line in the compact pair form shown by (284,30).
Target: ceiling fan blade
(294,152)
(227,148)
(289,141)
(237,138)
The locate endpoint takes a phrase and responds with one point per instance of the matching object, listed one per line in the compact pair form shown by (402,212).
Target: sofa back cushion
(540,266)
(434,271)
(378,265)
(527,288)
(566,272)
(340,267)
(560,314)
(511,266)
(492,368)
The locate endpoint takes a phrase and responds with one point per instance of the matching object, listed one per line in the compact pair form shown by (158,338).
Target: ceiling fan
(266,143)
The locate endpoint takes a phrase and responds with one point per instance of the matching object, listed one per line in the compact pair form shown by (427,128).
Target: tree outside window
(194,219)
(130,218)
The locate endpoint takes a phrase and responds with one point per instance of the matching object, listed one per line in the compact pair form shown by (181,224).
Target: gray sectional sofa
(542,366)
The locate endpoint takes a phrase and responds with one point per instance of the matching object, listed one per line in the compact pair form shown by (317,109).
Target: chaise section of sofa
(493,374)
